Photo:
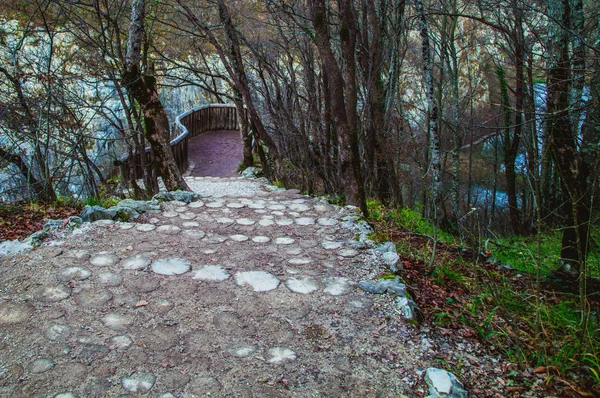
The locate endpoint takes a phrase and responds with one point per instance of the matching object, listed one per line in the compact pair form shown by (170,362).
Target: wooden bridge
(190,124)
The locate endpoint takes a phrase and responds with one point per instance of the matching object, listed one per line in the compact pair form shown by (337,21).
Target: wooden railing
(189,124)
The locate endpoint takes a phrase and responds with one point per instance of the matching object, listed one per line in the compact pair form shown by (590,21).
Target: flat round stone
(195,205)
(305,285)
(120,342)
(53,294)
(276,207)
(245,221)
(136,262)
(109,279)
(104,259)
(225,220)
(265,222)
(154,220)
(138,382)
(145,227)
(299,207)
(294,251)
(168,229)
(284,240)
(65,395)
(170,214)
(59,333)
(300,261)
(213,273)
(92,298)
(259,281)
(74,274)
(337,286)
(103,223)
(187,216)
(11,314)
(171,266)
(241,350)
(277,213)
(194,233)
(331,245)
(215,204)
(348,253)
(284,221)
(256,205)
(327,222)
(117,321)
(190,224)
(238,238)
(41,365)
(322,208)
(261,239)
(216,238)
(305,221)
(126,225)
(235,205)
(277,355)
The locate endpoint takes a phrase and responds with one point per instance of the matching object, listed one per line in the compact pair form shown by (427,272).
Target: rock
(95,213)
(278,355)
(171,266)
(182,196)
(259,281)
(74,222)
(444,384)
(141,206)
(138,382)
(391,260)
(36,238)
(251,172)
(393,286)
(9,248)
(386,247)
(408,308)
(123,213)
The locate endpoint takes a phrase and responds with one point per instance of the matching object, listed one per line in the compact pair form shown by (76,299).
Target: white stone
(215,204)
(109,279)
(187,216)
(265,222)
(278,355)
(138,382)
(135,262)
(154,220)
(170,214)
(299,207)
(171,266)
(284,240)
(41,365)
(348,253)
(305,285)
(58,333)
(145,227)
(190,224)
(241,350)
(259,281)
(120,342)
(331,245)
(168,229)
(225,220)
(276,206)
(277,213)
(443,383)
(117,321)
(327,222)
(337,286)
(390,258)
(305,221)
(74,273)
(238,238)
(300,261)
(245,221)
(104,259)
(194,233)
(103,223)
(235,205)
(261,239)
(213,273)
(126,225)
(195,205)
(284,221)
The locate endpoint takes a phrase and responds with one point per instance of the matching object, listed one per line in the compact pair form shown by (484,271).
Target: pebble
(305,285)
(259,281)
(135,262)
(214,273)
(104,259)
(171,266)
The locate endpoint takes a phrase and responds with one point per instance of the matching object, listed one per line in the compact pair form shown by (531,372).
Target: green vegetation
(536,327)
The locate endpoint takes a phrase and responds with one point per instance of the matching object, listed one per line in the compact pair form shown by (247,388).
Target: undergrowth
(490,292)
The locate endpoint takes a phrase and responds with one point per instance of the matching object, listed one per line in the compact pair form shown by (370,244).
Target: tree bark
(143,89)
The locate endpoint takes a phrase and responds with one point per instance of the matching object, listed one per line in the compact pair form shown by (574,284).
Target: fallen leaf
(539,369)
(141,303)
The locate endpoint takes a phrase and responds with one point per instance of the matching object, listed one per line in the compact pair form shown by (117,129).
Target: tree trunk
(143,89)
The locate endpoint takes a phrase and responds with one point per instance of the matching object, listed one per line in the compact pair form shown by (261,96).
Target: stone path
(252,294)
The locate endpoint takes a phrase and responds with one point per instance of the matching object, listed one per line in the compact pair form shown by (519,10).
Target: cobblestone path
(246,293)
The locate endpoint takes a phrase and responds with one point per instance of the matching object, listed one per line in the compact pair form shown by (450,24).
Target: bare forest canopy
(481,112)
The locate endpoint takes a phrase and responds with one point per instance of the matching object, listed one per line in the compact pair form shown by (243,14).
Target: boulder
(391,260)
(12,247)
(183,196)
(123,213)
(141,206)
(408,308)
(251,172)
(392,286)
(95,213)
(386,247)
(443,384)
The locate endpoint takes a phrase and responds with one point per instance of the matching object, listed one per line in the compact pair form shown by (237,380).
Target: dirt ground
(216,154)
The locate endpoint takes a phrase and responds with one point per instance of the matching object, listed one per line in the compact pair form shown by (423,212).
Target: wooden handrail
(189,124)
